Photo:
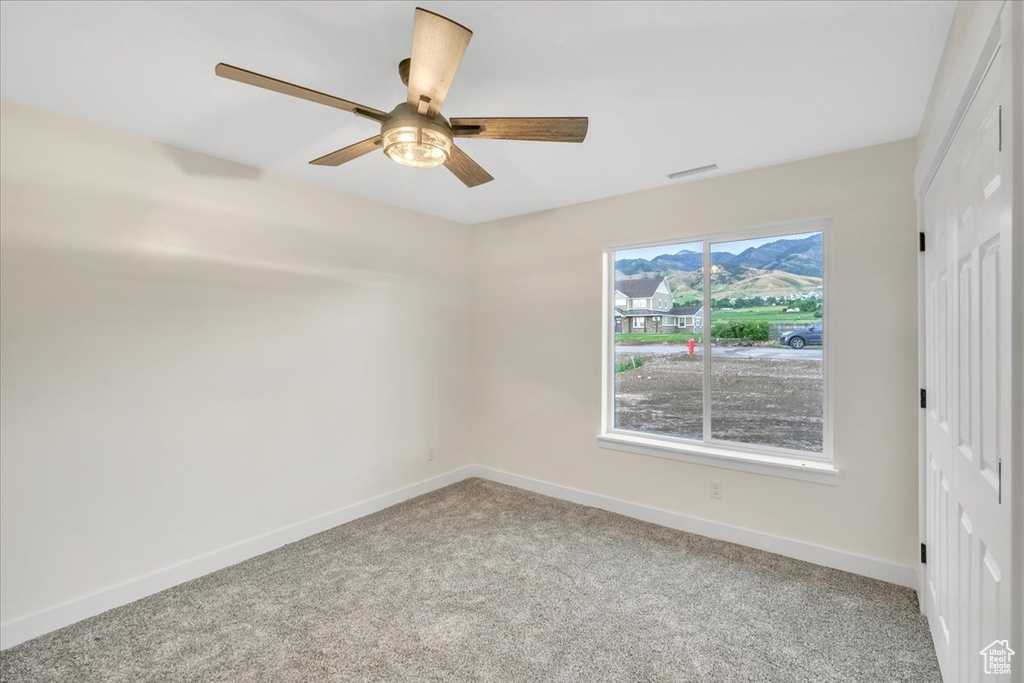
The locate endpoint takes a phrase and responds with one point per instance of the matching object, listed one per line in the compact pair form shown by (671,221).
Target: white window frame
(635,319)
(781,462)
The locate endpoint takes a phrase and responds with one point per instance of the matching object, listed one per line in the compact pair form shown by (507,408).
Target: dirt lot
(770,401)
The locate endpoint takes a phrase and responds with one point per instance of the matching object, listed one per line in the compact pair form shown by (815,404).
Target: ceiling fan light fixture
(416,146)
(415,133)
(417,140)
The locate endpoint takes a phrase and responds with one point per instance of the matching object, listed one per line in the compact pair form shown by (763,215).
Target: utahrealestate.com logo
(997,657)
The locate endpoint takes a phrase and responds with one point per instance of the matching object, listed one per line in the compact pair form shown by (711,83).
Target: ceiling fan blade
(266,82)
(467,170)
(437,48)
(549,129)
(337,158)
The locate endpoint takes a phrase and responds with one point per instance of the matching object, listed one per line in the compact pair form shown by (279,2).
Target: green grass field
(657,338)
(768,314)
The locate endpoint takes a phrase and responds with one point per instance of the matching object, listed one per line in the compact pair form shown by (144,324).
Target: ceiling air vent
(692,171)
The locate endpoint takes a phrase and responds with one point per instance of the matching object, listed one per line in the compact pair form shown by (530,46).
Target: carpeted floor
(483,582)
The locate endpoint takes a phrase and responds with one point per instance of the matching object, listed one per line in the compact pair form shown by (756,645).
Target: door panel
(967,220)
(967,350)
(988,354)
(940,209)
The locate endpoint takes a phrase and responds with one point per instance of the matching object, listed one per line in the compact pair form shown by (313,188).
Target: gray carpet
(483,582)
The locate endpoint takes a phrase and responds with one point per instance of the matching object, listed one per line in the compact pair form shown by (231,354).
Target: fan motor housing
(404,116)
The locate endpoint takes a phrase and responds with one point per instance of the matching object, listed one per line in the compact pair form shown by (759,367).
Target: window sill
(772,465)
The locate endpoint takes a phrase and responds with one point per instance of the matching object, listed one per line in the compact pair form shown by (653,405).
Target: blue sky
(734,247)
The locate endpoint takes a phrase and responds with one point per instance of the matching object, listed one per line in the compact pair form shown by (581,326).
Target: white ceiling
(667,86)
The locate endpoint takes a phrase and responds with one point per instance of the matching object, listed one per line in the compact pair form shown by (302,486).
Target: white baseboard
(871,567)
(28,627)
(34,625)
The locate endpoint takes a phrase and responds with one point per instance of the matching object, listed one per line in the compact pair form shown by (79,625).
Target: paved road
(810,353)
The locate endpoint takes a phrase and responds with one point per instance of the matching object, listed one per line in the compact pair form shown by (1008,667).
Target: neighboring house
(645,306)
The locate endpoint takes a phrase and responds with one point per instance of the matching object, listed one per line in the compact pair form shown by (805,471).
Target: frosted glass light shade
(416,147)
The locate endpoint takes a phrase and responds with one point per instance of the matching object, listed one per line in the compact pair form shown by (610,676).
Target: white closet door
(968,266)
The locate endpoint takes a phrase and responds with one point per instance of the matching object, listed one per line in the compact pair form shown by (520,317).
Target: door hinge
(920,240)
(924,554)
(924,398)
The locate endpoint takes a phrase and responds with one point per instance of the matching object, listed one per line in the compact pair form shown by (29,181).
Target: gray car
(802,336)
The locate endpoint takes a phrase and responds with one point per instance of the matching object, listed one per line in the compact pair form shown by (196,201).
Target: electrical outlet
(716,490)
(430,454)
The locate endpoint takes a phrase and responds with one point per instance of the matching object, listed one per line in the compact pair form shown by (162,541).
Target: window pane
(767,380)
(659,378)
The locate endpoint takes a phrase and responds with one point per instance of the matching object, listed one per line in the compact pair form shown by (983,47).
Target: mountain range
(797,256)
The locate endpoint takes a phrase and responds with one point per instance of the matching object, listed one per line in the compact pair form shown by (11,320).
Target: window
(638,321)
(751,386)
(640,303)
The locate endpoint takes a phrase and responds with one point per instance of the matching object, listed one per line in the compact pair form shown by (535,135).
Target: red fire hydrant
(690,344)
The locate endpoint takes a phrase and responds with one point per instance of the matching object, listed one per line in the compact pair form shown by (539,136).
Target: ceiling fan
(415,133)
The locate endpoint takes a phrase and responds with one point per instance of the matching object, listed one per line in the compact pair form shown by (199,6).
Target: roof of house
(683,310)
(675,310)
(638,288)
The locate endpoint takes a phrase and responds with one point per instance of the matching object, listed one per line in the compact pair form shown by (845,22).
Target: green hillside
(741,282)
(770,283)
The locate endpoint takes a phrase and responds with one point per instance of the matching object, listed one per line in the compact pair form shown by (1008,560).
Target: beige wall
(538,395)
(195,353)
